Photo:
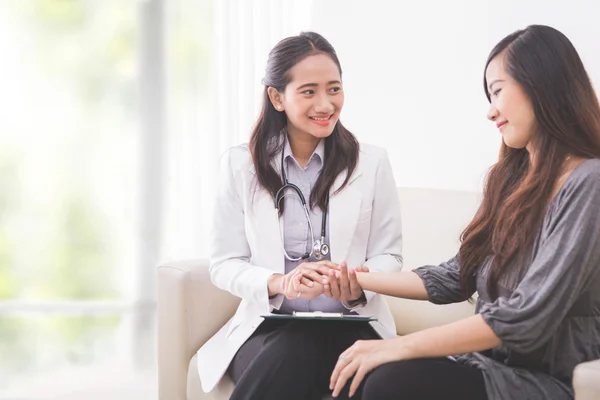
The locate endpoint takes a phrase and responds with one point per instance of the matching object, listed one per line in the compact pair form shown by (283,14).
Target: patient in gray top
(551,321)
(530,256)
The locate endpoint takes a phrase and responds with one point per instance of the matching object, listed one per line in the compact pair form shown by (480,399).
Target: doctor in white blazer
(247,258)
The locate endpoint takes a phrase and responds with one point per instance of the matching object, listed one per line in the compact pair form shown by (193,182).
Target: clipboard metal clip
(317,314)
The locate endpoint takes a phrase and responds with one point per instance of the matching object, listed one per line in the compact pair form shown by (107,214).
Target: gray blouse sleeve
(564,265)
(442,282)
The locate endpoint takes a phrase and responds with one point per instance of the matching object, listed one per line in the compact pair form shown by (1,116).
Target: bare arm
(464,336)
(406,285)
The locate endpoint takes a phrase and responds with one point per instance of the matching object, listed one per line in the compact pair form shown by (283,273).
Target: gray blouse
(549,320)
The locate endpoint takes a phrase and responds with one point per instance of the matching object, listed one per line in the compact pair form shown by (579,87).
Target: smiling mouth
(321,118)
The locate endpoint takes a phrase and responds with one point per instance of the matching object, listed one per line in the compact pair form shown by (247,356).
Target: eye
(495,94)
(335,89)
(308,92)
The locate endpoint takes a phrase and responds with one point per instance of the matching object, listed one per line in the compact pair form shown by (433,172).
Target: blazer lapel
(344,208)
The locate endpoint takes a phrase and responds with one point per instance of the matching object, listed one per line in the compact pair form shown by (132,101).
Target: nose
(492,113)
(323,105)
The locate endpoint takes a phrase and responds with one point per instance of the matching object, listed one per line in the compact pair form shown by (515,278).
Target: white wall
(413,76)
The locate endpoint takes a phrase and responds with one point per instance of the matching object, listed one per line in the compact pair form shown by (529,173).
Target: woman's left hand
(360,359)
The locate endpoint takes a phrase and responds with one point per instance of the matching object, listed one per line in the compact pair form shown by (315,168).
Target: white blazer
(365,229)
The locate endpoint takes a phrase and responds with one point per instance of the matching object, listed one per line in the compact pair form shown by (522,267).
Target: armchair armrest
(586,381)
(190,309)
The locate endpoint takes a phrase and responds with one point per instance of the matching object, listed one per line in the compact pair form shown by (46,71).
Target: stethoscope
(319,248)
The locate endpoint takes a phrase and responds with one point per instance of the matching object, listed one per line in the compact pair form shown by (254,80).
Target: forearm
(241,278)
(465,336)
(407,285)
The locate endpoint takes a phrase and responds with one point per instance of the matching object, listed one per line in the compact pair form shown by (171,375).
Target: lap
(293,339)
(438,378)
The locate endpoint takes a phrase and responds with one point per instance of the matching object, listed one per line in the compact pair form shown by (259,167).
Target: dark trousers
(288,360)
(424,379)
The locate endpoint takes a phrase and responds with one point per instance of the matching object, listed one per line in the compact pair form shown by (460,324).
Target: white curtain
(222,114)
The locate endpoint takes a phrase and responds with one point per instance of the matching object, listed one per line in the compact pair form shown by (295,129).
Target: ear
(276,98)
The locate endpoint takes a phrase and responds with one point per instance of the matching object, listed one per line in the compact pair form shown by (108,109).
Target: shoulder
(370,155)
(589,169)
(237,159)
(585,176)
(583,185)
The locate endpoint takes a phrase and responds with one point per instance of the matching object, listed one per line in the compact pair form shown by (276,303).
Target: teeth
(320,119)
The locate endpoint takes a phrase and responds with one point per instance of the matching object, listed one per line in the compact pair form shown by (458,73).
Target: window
(83,155)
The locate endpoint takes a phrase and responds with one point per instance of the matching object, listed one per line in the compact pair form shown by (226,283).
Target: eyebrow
(494,82)
(307,85)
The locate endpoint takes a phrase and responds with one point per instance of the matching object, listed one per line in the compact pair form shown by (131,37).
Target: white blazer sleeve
(230,267)
(384,249)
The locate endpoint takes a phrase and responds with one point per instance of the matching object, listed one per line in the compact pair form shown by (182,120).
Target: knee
(376,385)
(393,380)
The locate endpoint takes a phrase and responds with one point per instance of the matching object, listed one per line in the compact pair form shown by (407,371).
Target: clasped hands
(309,280)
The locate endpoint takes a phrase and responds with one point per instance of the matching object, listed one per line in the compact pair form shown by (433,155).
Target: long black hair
(341,146)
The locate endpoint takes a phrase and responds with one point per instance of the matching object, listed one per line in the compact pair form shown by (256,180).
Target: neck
(303,146)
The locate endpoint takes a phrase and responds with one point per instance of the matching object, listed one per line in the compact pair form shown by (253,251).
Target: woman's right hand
(307,280)
(304,281)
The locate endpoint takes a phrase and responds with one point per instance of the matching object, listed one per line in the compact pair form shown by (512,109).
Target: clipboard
(320,316)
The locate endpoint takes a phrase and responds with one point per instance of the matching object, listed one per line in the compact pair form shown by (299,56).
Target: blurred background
(114,114)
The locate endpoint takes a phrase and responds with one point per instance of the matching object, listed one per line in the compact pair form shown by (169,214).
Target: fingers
(363,268)
(358,378)
(355,288)
(295,280)
(327,290)
(327,287)
(322,267)
(344,282)
(339,366)
(292,290)
(328,264)
(307,277)
(306,282)
(343,359)
(346,373)
(334,286)
(312,275)
(299,282)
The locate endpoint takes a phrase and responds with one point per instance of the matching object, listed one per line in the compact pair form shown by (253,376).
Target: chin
(321,133)
(513,144)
